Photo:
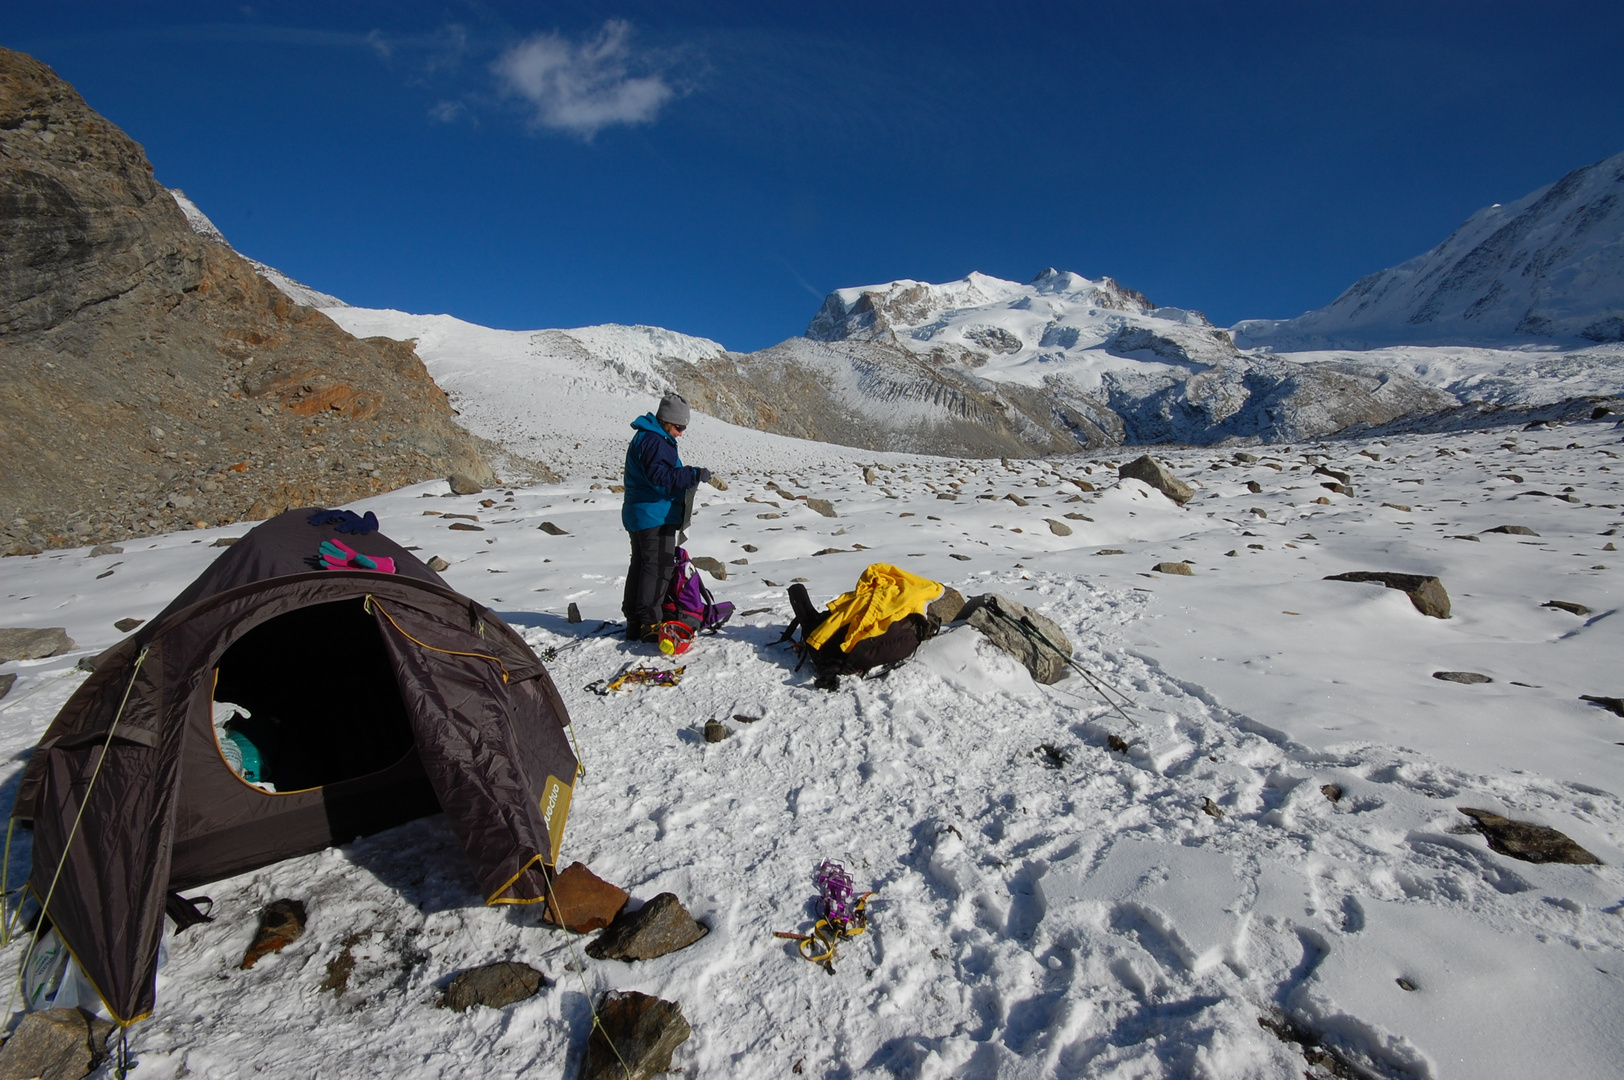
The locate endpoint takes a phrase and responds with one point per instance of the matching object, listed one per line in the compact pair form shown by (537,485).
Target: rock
(1400,507)
(715,731)
(1243,458)
(1117,744)
(437,564)
(493,986)
(33,643)
(463,526)
(1426,593)
(1567,605)
(1059,528)
(105,549)
(582,901)
(869,475)
(956,555)
(1514,530)
(55,1044)
(829,551)
(280,925)
(551,530)
(1611,704)
(660,926)
(946,607)
(1016,499)
(1083,485)
(1467,677)
(124,626)
(463,484)
(1110,551)
(751,548)
(1211,809)
(1254,487)
(1609,546)
(7,681)
(634,1038)
(1526,841)
(574,613)
(1336,474)
(1182,568)
(1154,473)
(714,567)
(822,506)
(948,495)
(225,541)
(991,614)
(1332,792)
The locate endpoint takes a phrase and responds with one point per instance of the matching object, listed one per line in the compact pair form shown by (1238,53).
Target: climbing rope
(580,973)
(73,831)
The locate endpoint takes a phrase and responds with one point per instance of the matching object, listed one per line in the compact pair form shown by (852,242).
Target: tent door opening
(324,702)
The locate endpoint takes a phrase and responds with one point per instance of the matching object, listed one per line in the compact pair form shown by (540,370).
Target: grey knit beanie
(673,410)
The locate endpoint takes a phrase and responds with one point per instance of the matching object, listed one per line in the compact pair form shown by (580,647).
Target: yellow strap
(372,601)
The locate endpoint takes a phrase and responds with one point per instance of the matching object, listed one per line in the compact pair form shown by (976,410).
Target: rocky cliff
(150,378)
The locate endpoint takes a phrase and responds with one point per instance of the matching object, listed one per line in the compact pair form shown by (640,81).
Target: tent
(376,699)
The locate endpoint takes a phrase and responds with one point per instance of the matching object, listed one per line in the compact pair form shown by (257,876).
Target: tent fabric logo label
(555,809)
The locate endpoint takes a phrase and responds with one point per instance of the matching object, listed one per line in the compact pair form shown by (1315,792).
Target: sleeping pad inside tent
(275,708)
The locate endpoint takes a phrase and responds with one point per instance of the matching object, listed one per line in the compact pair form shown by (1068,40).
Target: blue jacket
(655,478)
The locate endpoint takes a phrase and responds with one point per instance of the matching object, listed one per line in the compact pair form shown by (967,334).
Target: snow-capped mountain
(986,366)
(1548,266)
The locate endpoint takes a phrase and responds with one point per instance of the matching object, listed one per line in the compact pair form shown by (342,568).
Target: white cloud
(582,87)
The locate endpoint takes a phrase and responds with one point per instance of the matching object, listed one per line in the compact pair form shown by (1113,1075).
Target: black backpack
(900,641)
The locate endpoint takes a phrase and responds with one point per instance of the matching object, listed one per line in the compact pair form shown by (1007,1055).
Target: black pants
(654,554)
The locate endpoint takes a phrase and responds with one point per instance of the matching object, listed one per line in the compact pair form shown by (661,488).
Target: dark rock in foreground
(1426,593)
(280,925)
(1527,841)
(660,926)
(56,1044)
(1467,677)
(493,985)
(1611,704)
(635,1038)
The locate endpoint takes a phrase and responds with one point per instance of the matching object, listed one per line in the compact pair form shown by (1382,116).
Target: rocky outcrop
(151,378)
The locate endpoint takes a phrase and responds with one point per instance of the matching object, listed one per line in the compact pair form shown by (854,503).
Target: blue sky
(716,168)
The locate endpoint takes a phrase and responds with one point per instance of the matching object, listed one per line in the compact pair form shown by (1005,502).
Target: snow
(1030,920)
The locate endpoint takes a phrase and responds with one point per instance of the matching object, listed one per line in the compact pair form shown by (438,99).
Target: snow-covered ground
(1039,913)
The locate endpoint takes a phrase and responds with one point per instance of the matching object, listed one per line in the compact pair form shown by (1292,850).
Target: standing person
(656,480)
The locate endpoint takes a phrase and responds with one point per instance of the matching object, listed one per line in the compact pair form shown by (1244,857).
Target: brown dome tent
(374,698)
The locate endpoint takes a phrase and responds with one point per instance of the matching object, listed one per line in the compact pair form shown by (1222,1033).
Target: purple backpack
(689,602)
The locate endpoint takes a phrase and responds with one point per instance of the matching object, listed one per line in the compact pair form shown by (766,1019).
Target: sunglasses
(679,427)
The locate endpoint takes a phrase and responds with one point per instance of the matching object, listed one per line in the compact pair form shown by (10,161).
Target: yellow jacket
(884,594)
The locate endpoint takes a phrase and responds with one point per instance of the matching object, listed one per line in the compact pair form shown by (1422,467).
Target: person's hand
(704,475)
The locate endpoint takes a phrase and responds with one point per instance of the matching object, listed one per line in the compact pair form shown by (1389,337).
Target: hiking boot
(635,633)
(650,637)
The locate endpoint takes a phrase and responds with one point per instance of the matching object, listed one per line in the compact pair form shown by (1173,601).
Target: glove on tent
(375,699)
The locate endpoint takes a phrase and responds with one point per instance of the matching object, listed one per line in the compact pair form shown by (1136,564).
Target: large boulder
(634,1038)
(1150,471)
(56,1044)
(1037,642)
(1526,841)
(494,986)
(33,642)
(660,926)
(1425,592)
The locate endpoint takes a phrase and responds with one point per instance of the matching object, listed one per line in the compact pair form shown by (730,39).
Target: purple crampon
(836,902)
